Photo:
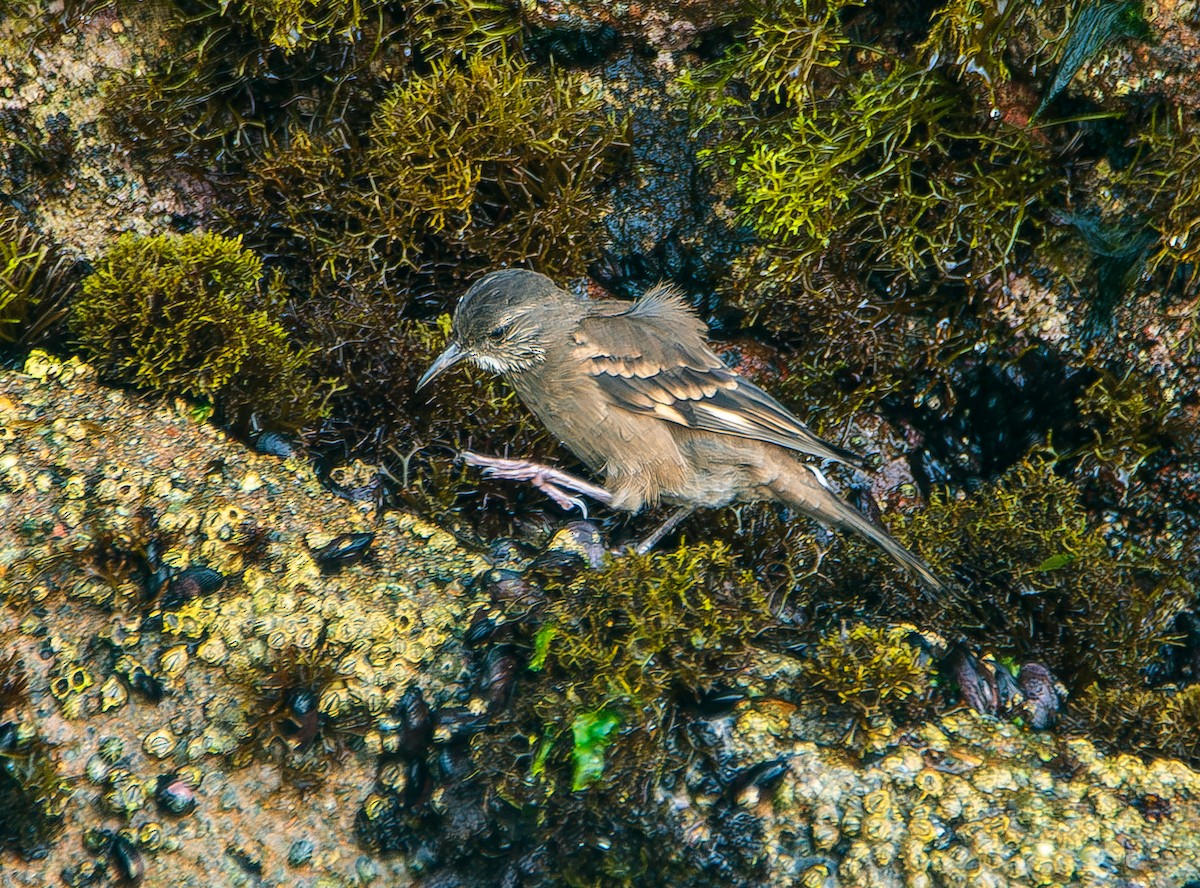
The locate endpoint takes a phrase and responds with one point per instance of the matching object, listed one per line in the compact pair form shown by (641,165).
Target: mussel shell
(416,722)
(275,444)
(1042,701)
(499,676)
(191,583)
(8,737)
(174,796)
(343,549)
(147,685)
(764,775)
(127,860)
(483,625)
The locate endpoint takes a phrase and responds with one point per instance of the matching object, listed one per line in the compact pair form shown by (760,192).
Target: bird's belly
(721,470)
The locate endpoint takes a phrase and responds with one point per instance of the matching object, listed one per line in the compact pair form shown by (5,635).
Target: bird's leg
(663,529)
(549,481)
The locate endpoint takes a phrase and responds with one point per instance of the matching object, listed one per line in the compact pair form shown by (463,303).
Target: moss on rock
(192,315)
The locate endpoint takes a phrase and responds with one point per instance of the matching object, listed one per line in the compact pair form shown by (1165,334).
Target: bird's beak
(451,356)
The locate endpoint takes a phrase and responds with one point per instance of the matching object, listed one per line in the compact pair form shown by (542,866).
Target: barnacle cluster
(230,643)
(644,720)
(967,801)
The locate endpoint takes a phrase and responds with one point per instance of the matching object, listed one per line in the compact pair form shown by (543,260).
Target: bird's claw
(564,499)
(549,481)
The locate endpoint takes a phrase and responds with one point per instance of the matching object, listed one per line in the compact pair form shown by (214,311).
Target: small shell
(757,781)
(127,860)
(173,661)
(416,723)
(111,749)
(159,744)
(150,836)
(1043,697)
(213,651)
(96,769)
(112,694)
(877,801)
(191,583)
(500,676)
(335,699)
(73,706)
(394,777)
(139,678)
(300,853)
(275,444)
(97,840)
(127,794)
(375,805)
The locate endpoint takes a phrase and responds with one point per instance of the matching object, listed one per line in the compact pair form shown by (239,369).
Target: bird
(634,390)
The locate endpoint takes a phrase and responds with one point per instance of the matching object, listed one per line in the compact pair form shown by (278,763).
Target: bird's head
(501,323)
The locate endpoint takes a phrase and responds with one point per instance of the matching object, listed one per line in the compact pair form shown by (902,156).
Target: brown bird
(634,391)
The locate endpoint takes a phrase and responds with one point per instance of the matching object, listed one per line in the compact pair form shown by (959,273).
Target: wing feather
(651,356)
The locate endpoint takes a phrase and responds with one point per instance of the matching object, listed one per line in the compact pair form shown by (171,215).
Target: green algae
(192,315)
(604,716)
(36,282)
(872,670)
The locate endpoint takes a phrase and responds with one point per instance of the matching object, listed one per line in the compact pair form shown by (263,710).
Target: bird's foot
(551,482)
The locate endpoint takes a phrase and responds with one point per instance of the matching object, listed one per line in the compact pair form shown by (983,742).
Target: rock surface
(86,470)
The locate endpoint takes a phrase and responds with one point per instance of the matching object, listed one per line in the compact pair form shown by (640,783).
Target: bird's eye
(499,333)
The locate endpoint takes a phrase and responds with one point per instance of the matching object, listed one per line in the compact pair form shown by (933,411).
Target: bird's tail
(815,497)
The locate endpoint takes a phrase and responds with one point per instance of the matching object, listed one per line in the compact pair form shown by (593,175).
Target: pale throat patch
(512,365)
(489,363)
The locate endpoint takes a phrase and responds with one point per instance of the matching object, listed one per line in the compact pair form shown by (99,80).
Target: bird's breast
(574,411)
(636,453)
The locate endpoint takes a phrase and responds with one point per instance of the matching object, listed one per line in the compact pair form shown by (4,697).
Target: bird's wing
(651,357)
